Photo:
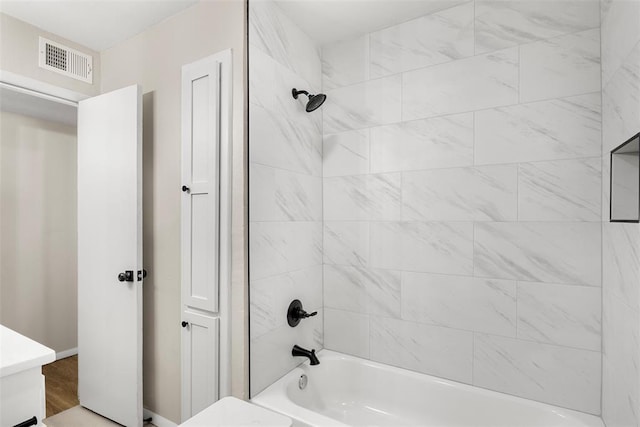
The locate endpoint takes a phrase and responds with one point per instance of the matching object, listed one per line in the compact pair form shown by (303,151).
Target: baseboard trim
(157,420)
(66,353)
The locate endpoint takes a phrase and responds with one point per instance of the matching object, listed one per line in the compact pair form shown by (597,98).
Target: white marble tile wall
(285,194)
(462,162)
(500,24)
(563,66)
(562,376)
(620,33)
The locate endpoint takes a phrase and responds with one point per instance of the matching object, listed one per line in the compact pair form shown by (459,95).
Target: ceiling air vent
(64,60)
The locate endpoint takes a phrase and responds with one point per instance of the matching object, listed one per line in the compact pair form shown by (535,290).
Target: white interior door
(110,243)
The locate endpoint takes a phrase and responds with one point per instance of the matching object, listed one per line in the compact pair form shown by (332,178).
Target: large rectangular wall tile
(562,66)
(271,31)
(274,349)
(345,62)
(560,314)
(362,290)
(474,304)
(346,153)
(621,103)
(375,102)
(557,375)
(433,247)
(278,142)
(281,247)
(560,190)
(620,33)
(432,39)
(270,88)
(271,297)
(620,363)
(451,88)
(346,332)
(621,261)
(280,195)
(346,243)
(500,24)
(423,144)
(536,251)
(362,197)
(548,130)
(429,349)
(486,193)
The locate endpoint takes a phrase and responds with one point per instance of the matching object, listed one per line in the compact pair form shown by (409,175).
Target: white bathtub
(348,391)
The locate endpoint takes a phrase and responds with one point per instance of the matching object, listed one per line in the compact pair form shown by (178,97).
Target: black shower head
(315,101)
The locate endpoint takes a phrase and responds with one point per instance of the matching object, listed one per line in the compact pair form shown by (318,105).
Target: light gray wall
(621,242)
(38,259)
(462,198)
(285,192)
(154,60)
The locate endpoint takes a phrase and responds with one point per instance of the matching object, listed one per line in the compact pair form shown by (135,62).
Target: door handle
(33,421)
(127,276)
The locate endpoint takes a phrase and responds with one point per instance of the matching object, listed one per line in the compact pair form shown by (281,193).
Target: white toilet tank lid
(233,412)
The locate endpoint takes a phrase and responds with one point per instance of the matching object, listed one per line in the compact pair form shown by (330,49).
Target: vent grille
(64,60)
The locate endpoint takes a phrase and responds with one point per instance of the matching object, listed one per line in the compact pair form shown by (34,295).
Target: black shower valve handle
(304,314)
(295,312)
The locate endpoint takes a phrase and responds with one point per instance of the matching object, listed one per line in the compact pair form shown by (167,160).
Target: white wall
(19,54)
(462,198)
(621,242)
(38,259)
(285,192)
(154,60)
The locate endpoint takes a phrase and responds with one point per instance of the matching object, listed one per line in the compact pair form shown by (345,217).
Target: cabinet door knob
(186,189)
(185,324)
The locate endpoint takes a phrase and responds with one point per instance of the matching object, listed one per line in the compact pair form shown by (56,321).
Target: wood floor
(61,381)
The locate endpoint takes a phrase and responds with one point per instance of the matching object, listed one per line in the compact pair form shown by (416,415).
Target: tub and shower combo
(433,179)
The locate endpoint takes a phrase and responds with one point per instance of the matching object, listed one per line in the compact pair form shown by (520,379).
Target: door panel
(109,243)
(201,174)
(200,361)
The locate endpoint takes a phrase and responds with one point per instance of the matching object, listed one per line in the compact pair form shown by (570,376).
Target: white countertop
(19,353)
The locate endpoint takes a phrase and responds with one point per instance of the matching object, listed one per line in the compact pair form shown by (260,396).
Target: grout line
(475,55)
(472,331)
(517,303)
(460,275)
(518,165)
(468,166)
(473,357)
(475,40)
(477,110)
(473,249)
(602,226)
(519,77)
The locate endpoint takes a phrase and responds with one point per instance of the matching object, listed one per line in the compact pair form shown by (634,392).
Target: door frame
(41,89)
(225,59)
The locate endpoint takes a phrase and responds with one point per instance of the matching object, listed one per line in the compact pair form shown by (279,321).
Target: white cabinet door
(206,229)
(199,361)
(201,185)
(110,243)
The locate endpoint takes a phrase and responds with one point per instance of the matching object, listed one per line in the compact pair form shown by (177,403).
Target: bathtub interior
(344,390)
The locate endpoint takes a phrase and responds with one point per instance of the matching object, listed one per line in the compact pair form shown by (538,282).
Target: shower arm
(296,92)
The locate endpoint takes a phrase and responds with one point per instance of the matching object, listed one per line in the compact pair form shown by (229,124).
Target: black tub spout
(299,351)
